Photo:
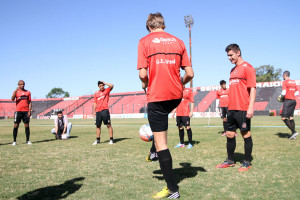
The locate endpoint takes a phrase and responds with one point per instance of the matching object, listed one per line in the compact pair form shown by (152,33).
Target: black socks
(165,161)
(289,125)
(15,133)
(248,148)
(98,139)
(153,148)
(292,123)
(27,132)
(190,135)
(231,144)
(181,135)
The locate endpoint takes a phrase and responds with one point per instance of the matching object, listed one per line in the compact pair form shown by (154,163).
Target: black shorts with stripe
(20,115)
(236,119)
(102,116)
(183,121)
(288,108)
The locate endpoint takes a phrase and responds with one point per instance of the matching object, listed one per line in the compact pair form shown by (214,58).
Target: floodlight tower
(189,22)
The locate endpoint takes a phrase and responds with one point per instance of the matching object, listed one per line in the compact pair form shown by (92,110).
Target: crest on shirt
(245,65)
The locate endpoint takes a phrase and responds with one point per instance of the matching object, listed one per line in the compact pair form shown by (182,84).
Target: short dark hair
(222,82)
(287,73)
(155,21)
(100,82)
(233,47)
(59,112)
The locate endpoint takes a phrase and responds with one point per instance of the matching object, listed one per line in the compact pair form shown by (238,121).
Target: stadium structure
(134,104)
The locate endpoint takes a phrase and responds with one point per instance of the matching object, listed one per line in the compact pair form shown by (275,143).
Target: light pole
(189,21)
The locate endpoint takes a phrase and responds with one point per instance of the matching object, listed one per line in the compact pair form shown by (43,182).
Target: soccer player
(62,126)
(160,57)
(23,110)
(183,117)
(101,111)
(289,91)
(222,95)
(242,92)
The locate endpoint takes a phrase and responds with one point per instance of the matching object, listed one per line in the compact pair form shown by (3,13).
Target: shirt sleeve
(95,99)
(29,96)
(251,77)
(283,85)
(185,58)
(218,96)
(142,58)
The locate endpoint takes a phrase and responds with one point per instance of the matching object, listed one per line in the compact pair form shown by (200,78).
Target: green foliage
(267,73)
(57,93)
(75,169)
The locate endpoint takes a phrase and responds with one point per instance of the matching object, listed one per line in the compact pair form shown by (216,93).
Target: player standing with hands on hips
(242,92)
(23,110)
(101,112)
(160,57)
(289,91)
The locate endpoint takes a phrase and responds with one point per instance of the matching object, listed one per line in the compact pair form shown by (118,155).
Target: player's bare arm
(192,110)
(14,94)
(30,108)
(94,110)
(109,85)
(250,110)
(144,78)
(189,75)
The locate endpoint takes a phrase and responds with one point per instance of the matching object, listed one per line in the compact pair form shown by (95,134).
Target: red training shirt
(163,55)
(222,95)
(101,99)
(183,108)
(23,98)
(290,87)
(242,78)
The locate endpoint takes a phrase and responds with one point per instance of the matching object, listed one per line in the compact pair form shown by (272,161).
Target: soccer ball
(146,133)
(64,137)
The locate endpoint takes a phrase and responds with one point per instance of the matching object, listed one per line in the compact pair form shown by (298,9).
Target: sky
(72,44)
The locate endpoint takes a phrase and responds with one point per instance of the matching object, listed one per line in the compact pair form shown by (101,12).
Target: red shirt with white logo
(101,99)
(23,98)
(163,55)
(222,95)
(290,87)
(242,78)
(183,108)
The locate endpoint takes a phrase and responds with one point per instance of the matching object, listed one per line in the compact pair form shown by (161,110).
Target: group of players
(160,57)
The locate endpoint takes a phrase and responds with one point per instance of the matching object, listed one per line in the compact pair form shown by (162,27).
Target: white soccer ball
(64,136)
(146,133)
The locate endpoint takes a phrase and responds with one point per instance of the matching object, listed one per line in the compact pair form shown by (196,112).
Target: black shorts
(158,114)
(224,111)
(104,116)
(236,119)
(183,121)
(288,108)
(19,115)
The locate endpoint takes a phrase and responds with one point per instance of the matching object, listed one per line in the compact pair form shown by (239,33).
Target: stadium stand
(136,102)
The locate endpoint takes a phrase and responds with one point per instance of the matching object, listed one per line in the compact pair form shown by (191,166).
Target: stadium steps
(39,106)
(207,101)
(62,105)
(79,107)
(198,98)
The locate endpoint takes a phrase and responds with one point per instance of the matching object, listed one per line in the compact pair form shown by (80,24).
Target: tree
(57,93)
(267,73)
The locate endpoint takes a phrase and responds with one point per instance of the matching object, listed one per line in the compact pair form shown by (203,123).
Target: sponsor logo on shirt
(165,61)
(245,65)
(164,40)
(22,97)
(234,81)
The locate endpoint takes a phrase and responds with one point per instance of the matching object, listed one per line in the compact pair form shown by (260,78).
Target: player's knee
(26,125)
(108,125)
(224,119)
(188,127)
(16,125)
(246,134)
(283,118)
(181,127)
(230,134)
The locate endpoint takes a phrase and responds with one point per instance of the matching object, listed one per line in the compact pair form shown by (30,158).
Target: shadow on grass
(283,135)
(49,140)
(118,140)
(239,157)
(187,171)
(193,143)
(54,192)
(6,143)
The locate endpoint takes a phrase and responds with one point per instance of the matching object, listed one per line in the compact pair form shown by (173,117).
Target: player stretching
(161,55)
(222,95)
(289,91)
(23,110)
(101,112)
(242,92)
(183,117)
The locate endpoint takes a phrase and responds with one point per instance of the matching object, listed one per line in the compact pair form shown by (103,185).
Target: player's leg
(69,128)
(158,120)
(17,120)
(98,122)
(231,141)
(285,114)
(189,131)
(26,120)
(291,120)
(152,155)
(107,122)
(181,131)
(110,130)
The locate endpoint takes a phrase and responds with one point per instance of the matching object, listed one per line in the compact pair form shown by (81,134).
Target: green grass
(74,169)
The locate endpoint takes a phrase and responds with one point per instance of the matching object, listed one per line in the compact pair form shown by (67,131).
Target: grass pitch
(74,169)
